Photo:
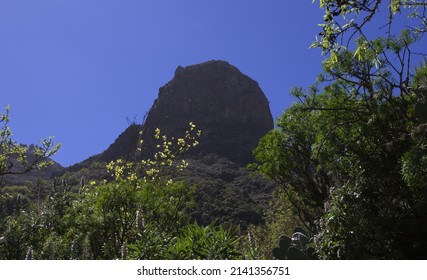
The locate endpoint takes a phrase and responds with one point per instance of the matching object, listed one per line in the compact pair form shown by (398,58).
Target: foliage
(285,153)
(384,58)
(152,243)
(98,223)
(153,170)
(14,199)
(114,215)
(349,158)
(89,172)
(15,158)
(345,20)
(226,193)
(297,247)
(280,218)
(205,243)
(129,217)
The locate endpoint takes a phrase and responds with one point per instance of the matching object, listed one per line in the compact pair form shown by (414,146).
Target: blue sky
(78,69)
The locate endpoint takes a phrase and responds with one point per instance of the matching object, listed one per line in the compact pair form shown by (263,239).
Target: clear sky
(78,69)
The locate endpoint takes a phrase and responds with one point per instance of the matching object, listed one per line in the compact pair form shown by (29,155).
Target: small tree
(16,159)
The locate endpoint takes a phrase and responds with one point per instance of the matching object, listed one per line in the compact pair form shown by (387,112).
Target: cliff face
(227,106)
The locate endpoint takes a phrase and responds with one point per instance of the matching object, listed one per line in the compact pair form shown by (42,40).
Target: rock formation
(228,106)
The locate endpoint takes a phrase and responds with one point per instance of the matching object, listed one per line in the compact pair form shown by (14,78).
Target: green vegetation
(142,213)
(195,243)
(295,247)
(17,159)
(346,20)
(350,154)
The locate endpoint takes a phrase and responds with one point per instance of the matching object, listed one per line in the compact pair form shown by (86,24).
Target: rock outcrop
(227,106)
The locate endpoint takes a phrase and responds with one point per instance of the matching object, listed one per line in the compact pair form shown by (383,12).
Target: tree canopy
(350,154)
(346,20)
(17,159)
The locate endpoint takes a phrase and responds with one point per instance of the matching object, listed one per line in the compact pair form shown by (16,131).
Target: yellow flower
(181,142)
(157,133)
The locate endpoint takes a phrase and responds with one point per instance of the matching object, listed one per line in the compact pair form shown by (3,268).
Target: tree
(350,155)
(16,159)
(386,185)
(387,50)
(346,20)
(285,154)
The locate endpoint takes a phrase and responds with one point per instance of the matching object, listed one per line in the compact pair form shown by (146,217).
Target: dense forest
(346,167)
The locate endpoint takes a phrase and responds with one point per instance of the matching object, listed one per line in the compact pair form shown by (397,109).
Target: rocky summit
(226,105)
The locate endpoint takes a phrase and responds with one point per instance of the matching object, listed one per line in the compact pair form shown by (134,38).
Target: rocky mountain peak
(227,106)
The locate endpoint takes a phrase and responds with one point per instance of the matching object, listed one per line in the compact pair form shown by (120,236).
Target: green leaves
(345,24)
(350,156)
(18,159)
(205,243)
(131,217)
(297,247)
